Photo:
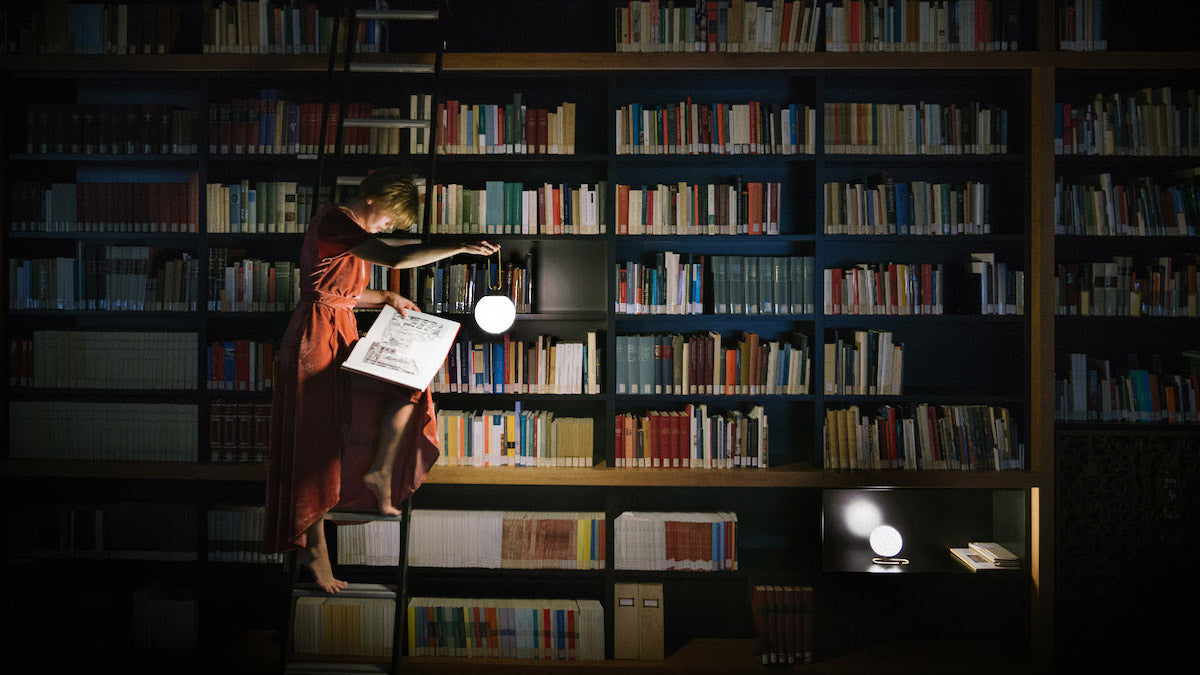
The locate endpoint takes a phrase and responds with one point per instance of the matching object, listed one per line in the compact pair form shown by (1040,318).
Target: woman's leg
(315,556)
(393,430)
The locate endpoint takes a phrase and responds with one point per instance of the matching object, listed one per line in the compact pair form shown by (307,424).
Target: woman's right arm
(381,253)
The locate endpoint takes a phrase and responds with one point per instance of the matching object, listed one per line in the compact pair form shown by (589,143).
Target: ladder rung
(353,590)
(396,14)
(359,516)
(385,123)
(391,68)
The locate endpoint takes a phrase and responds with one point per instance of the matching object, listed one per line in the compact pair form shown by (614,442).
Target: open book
(404,350)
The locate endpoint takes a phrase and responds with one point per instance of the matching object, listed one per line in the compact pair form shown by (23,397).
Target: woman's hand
(400,303)
(478,248)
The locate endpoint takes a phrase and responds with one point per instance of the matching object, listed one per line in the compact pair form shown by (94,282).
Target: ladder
(398,593)
(436,18)
(403,74)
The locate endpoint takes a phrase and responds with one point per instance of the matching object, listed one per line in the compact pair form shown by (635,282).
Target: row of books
(59,27)
(517,437)
(882,206)
(675,284)
(689,128)
(784,630)
(554,630)
(250,284)
(922,25)
(105,207)
(511,128)
(672,284)
(693,542)
(359,622)
(751,207)
(238,432)
(235,534)
(456,287)
(104,531)
(106,278)
(692,439)
(972,128)
(1079,25)
(110,129)
(710,26)
(270,125)
(241,364)
(281,27)
(1153,121)
(991,288)
(111,359)
(922,436)
(1093,388)
(258,207)
(1128,286)
(501,207)
(165,617)
(865,363)
(885,289)
(103,430)
(676,364)
(1141,207)
(544,365)
(481,539)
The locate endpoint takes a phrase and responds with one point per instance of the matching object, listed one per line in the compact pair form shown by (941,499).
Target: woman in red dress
(334,443)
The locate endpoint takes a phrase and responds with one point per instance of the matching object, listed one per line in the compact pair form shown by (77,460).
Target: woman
(335,443)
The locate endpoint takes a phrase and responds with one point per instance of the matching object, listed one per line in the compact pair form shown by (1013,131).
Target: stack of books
(986,556)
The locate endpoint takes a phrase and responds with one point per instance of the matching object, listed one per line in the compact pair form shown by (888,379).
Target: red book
(731,370)
(760,610)
(542,131)
(622,209)
(755,210)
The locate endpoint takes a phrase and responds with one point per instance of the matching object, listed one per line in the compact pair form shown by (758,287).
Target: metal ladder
(354,16)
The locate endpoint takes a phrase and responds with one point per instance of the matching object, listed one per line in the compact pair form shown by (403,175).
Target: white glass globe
(495,313)
(886,541)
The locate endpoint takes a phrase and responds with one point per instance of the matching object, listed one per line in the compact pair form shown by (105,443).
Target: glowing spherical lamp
(887,542)
(495,313)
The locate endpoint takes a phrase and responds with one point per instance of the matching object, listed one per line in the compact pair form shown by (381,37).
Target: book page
(405,350)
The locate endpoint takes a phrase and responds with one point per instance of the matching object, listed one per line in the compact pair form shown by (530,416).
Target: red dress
(323,427)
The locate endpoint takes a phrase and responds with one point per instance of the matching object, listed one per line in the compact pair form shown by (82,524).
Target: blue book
(902,214)
(497,368)
(718,548)
(494,216)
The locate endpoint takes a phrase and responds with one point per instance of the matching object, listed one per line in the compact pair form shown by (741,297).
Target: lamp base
(889,561)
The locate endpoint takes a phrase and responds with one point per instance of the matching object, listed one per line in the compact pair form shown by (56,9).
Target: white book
(406,350)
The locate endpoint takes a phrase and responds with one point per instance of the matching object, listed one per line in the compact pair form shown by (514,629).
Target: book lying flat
(976,562)
(406,350)
(994,552)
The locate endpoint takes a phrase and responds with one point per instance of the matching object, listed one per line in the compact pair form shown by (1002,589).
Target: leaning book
(407,350)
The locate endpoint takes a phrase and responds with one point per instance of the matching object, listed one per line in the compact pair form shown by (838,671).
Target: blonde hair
(393,191)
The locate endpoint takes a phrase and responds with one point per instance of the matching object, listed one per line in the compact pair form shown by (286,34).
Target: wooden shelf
(609,61)
(790,476)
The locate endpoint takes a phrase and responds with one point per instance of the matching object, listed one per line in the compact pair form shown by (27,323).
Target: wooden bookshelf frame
(1041,66)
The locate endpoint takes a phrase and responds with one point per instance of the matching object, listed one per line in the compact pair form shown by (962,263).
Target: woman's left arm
(372,298)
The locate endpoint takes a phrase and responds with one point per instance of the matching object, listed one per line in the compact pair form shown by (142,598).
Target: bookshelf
(958,357)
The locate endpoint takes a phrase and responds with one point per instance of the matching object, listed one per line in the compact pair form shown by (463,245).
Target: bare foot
(381,485)
(316,559)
